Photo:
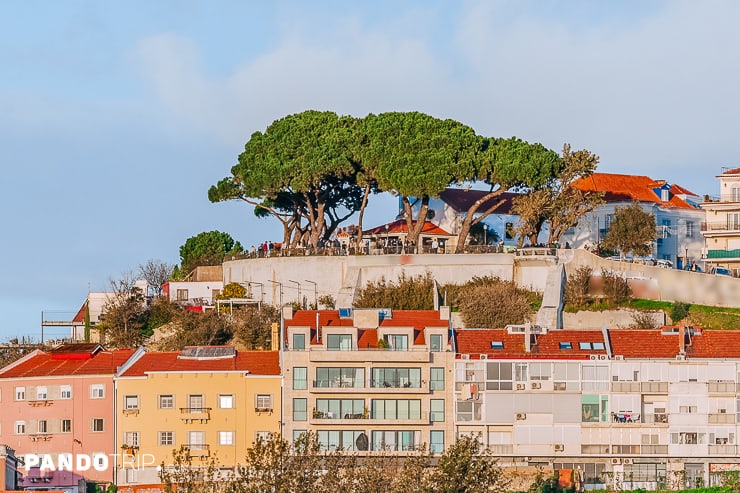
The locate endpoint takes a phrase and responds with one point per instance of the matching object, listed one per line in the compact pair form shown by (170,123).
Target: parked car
(720,271)
(664,263)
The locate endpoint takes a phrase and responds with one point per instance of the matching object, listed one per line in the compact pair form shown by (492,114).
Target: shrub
(615,287)
(576,286)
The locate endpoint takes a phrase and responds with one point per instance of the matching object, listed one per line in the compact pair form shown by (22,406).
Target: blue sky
(116,117)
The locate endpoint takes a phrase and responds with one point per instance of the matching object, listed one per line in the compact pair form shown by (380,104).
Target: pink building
(62,402)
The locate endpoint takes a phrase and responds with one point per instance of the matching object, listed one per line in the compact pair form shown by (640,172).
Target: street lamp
(485,231)
(386,238)
(315,293)
(262,293)
(300,301)
(281,291)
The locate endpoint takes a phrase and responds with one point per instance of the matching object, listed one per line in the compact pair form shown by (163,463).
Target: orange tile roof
(255,362)
(478,341)
(619,188)
(734,171)
(368,338)
(44,364)
(644,343)
(400,226)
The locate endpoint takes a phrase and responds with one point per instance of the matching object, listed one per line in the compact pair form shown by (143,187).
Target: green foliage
(327,301)
(232,290)
(407,293)
(632,231)
(615,287)
(679,311)
(161,312)
(466,467)
(491,302)
(207,248)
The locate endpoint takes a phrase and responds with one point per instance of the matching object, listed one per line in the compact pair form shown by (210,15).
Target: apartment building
(368,380)
(210,401)
(721,229)
(648,407)
(61,402)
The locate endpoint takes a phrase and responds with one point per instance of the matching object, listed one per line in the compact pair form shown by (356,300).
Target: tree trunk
(470,220)
(415,228)
(365,195)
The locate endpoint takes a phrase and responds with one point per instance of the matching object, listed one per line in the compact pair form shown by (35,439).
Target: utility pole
(315,293)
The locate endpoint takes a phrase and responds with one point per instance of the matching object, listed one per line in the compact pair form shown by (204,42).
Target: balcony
(131,411)
(721,419)
(320,355)
(722,254)
(198,450)
(724,449)
(719,227)
(40,403)
(195,414)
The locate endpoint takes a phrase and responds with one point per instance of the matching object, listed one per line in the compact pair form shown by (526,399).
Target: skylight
(497,344)
(566,345)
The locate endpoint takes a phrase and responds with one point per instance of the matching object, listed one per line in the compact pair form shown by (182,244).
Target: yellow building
(212,400)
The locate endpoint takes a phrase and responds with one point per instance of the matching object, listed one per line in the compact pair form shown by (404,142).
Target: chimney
(681,337)
(527,337)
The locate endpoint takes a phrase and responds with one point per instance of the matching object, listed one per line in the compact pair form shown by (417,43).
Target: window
(132,475)
(520,372)
(197,440)
(97,424)
(666,228)
(131,438)
(566,376)
(226,438)
(340,408)
(436,441)
(509,231)
(435,343)
(66,426)
(41,393)
(97,391)
(687,409)
(166,401)
(299,342)
(196,403)
(300,378)
(688,438)
(20,427)
(689,229)
(540,371)
(395,440)
(398,342)
(65,392)
(591,345)
(499,376)
(182,295)
(43,427)
(300,409)
(468,411)
(436,410)
(395,409)
(595,377)
(262,435)
(226,401)
(131,402)
(297,434)
(396,377)
(497,344)
(20,393)
(166,437)
(350,440)
(437,379)
(263,402)
(340,377)
(566,345)
(594,408)
(339,342)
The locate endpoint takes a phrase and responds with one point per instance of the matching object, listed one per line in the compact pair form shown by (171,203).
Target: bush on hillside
(407,293)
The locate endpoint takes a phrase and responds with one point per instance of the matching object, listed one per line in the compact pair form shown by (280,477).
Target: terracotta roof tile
(45,365)
(619,188)
(256,362)
(734,171)
(460,200)
(478,341)
(400,226)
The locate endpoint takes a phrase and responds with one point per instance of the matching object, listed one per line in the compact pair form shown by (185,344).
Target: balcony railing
(395,384)
(725,197)
(198,449)
(719,226)
(195,414)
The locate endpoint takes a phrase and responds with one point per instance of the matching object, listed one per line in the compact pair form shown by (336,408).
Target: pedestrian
(435,245)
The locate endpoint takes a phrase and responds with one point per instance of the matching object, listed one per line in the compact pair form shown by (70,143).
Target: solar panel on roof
(208,352)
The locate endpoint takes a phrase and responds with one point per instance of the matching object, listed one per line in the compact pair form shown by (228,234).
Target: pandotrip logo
(85,462)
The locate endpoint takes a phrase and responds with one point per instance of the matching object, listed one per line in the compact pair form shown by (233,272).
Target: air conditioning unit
(483,356)
(616,460)
(722,411)
(627,460)
(559,447)
(603,356)
(680,357)
(521,416)
(536,385)
(465,356)
(619,357)
(520,386)
(593,357)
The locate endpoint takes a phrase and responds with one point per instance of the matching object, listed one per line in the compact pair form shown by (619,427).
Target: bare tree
(125,313)
(156,273)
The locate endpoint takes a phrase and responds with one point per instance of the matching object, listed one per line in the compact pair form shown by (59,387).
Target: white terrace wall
(668,284)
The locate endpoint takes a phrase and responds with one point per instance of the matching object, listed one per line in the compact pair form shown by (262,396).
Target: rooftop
(86,360)
(254,362)
(619,188)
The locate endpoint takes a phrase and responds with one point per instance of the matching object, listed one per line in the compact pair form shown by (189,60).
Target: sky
(116,117)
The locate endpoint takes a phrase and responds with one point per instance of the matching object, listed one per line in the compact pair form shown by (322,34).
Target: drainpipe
(527,337)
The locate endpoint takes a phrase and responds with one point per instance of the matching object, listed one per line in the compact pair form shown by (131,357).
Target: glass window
(196,403)
(42,428)
(20,393)
(497,344)
(226,401)
(435,343)
(166,401)
(299,342)
(97,391)
(437,379)
(436,441)
(131,438)
(166,437)
(131,402)
(297,434)
(98,424)
(20,427)
(263,402)
(66,426)
(42,393)
(437,410)
(566,345)
(584,345)
(300,378)
(395,440)
(351,440)
(540,371)
(226,438)
(300,407)
(396,377)
(499,376)
(340,409)
(339,342)
(594,408)
(396,409)
(340,377)
(65,392)
(468,411)
(398,342)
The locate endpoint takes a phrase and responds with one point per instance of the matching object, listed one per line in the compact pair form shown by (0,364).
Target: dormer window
(497,344)
(398,342)
(435,343)
(339,342)
(566,345)
(299,342)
